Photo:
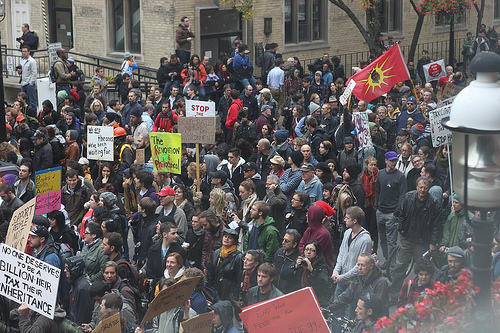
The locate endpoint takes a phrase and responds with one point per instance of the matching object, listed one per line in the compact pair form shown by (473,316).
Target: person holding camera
(128,64)
(195,75)
(29,38)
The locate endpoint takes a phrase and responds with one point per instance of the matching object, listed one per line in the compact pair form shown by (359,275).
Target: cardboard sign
(48,190)
(200,324)
(440,135)
(100,141)
(295,312)
(200,109)
(347,92)
(140,155)
(166,151)
(19,226)
(109,325)
(197,129)
(24,278)
(362,129)
(451,90)
(170,298)
(434,71)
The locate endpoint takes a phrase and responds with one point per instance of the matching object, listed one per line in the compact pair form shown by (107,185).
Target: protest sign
(200,324)
(200,109)
(362,129)
(450,90)
(440,135)
(197,129)
(48,190)
(100,141)
(295,312)
(347,92)
(170,298)
(166,151)
(53,47)
(140,155)
(445,102)
(19,226)
(109,325)
(434,70)
(26,279)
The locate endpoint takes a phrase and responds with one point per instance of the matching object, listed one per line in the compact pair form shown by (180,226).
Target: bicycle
(435,256)
(346,324)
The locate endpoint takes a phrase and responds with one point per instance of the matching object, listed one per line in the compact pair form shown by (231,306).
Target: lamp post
(475,123)
(3,132)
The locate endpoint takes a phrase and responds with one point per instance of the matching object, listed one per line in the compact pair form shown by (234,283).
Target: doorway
(61,22)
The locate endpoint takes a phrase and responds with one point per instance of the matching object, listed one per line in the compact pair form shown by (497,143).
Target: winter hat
(393,105)
(456,197)
(353,169)
(281,135)
(108,197)
(411,99)
(313,107)
(111,116)
(61,95)
(323,166)
(318,73)
(9,178)
(135,113)
(417,129)
(329,211)
(297,158)
(456,251)
(372,125)
(41,220)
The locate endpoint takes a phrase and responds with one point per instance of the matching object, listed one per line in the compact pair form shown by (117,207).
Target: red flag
(381,75)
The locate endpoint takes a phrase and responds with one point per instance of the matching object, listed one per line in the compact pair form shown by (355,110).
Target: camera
(18,39)
(303,263)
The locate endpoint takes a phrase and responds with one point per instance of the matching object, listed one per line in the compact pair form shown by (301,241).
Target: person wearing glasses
(284,261)
(368,311)
(412,111)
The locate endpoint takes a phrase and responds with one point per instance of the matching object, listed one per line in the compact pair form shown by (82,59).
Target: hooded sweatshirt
(73,150)
(225,311)
(347,260)
(316,231)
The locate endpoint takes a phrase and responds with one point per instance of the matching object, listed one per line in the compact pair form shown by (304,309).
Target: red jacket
(163,123)
(232,114)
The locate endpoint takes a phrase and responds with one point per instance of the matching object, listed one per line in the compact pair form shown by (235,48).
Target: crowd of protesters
(286,198)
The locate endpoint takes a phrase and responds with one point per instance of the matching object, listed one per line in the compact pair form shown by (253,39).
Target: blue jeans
(31,91)
(184,56)
(245,82)
(168,84)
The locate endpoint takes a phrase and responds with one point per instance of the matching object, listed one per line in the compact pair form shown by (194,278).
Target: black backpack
(141,310)
(52,73)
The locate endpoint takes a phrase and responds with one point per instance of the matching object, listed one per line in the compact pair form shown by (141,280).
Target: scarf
(224,253)
(247,204)
(303,279)
(368,180)
(182,204)
(246,281)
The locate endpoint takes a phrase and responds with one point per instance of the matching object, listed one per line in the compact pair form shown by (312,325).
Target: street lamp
(475,123)
(3,132)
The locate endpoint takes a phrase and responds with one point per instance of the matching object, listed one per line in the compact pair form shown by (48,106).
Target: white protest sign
(434,70)
(53,52)
(100,142)
(440,135)
(26,279)
(200,109)
(347,92)
(362,129)
(447,101)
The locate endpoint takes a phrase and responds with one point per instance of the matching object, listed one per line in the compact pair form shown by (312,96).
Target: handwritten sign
(440,135)
(24,278)
(200,109)
(100,142)
(53,47)
(447,101)
(166,151)
(170,298)
(48,190)
(197,129)
(200,324)
(362,129)
(109,325)
(295,312)
(347,92)
(140,155)
(19,226)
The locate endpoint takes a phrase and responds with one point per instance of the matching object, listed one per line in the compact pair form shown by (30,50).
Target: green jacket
(269,238)
(452,228)
(94,259)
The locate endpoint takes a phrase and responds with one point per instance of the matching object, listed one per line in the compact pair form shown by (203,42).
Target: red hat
(8,126)
(20,118)
(329,211)
(167,190)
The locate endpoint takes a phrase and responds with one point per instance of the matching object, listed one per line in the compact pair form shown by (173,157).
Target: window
(391,14)
(126,25)
(216,38)
(443,19)
(305,21)
(496,10)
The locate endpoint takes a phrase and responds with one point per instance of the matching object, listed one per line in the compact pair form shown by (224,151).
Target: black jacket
(224,276)
(320,281)
(251,103)
(277,205)
(42,158)
(155,265)
(162,75)
(318,136)
(252,295)
(195,249)
(286,280)
(146,229)
(359,192)
(298,221)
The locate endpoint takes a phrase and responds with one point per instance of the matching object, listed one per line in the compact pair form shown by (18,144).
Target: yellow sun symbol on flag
(377,77)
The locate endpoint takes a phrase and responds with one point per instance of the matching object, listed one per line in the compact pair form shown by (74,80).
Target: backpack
(133,276)
(247,132)
(52,73)
(37,40)
(141,310)
(67,326)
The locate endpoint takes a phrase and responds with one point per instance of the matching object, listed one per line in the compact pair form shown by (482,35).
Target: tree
(416,32)
(245,7)
(480,12)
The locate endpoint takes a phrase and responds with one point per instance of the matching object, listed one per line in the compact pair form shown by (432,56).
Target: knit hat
(348,139)
(108,197)
(61,95)
(456,197)
(318,73)
(372,125)
(281,135)
(111,116)
(329,211)
(323,166)
(456,251)
(411,99)
(353,169)
(135,113)
(393,105)
(313,107)
(264,108)
(417,129)
(297,158)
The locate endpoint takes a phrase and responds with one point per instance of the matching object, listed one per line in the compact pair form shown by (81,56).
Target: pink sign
(54,200)
(42,204)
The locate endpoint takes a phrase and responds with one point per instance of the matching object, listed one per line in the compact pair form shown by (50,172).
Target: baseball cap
(20,118)
(38,135)
(167,190)
(307,167)
(411,99)
(249,166)
(127,54)
(391,156)
(40,231)
(219,174)
(287,68)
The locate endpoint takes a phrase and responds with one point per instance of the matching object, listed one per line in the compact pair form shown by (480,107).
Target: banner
(100,141)
(440,135)
(48,190)
(166,151)
(24,278)
(197,129)
(199,324)
(434,70)
(170,298)
(362,129)
(347,92)
(380,75)
(200,109)
(20,225)
(295,312)
(109,325)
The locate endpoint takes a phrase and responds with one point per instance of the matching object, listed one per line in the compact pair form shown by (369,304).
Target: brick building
(303,28)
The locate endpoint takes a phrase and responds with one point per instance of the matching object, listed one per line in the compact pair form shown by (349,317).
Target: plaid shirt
(409,296)
(293,84)
(322,89)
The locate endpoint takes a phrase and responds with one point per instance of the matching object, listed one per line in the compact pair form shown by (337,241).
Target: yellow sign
(47,181)
(166,151)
